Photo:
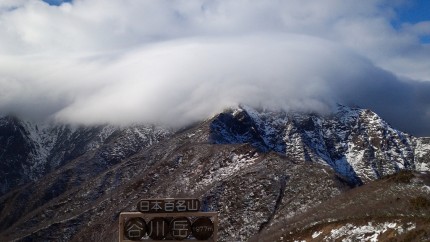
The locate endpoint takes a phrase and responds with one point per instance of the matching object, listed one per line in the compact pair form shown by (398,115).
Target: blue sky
(413,12)
(56,2)
(128,61)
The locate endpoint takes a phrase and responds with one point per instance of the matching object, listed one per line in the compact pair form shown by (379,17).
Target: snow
(422,148)
(422,167)
(369,232)
(237,111)
(426,188)
(316,234)
(106,132)
(422,153)
(270,125)
(238,163)
(44,137)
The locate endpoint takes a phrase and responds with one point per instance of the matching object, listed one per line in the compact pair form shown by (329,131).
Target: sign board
(168,220)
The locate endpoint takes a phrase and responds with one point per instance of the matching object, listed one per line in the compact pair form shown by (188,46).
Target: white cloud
(420,28)
(95,61)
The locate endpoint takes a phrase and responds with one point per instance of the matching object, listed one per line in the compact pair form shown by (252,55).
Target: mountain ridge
(331,140)
(255,167)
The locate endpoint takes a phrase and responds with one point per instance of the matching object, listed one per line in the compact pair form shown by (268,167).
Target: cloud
(94,61)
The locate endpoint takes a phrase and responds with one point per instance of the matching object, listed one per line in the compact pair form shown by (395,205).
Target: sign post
(168,220)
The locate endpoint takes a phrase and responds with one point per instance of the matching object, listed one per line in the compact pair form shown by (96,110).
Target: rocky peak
(356,143)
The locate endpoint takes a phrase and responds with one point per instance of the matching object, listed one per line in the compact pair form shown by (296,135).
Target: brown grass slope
(402,198)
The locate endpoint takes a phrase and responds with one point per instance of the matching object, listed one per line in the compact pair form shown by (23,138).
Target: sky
(176,62)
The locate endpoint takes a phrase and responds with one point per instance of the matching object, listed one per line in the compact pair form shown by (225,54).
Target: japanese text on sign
(168,205)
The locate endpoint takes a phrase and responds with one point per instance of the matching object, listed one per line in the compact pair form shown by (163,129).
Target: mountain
(264,172)
(28,151)
(356,143)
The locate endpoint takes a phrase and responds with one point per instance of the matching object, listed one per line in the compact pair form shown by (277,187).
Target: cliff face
(356,143)
(260,169)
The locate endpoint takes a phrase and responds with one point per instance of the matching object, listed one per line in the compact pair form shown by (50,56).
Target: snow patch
(316,234)
(238,163)
(422,153)
(369,232)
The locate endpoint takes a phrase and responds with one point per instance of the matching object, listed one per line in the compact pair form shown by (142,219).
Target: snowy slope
(29,150)
(356,143)
(422,154)
(369,232)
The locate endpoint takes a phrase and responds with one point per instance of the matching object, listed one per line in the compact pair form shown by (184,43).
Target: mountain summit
(356,143)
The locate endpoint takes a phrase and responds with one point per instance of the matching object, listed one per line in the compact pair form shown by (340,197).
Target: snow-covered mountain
(355,142)
(29,150)
(262,170)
